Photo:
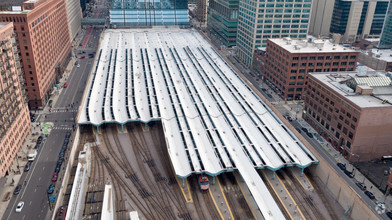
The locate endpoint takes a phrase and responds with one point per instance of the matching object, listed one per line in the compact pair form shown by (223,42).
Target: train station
(176,133)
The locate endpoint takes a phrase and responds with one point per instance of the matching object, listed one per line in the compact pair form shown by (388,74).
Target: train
(204,183)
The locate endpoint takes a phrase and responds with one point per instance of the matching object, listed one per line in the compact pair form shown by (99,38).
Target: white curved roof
(212,120)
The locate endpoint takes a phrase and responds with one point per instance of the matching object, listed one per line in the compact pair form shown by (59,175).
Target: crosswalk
(62,128)
(63,110)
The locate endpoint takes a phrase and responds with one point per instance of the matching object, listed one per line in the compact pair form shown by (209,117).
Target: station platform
(284,196)
(305,182)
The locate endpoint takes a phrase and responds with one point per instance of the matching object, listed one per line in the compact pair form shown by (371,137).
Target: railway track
(142,208)
(234,197)
(163,185)
(304,202)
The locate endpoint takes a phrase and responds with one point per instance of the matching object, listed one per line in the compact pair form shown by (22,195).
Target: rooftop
(3,24)
(310,45)
(344,83)
(382,54)
(11,2)
(213,121)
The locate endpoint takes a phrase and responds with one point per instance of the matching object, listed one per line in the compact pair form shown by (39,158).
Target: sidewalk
(13,179)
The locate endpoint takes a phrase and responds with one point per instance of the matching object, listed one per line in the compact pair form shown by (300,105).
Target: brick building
(288,63)
(352,111)
(378,59)
(43,44)
(14,114)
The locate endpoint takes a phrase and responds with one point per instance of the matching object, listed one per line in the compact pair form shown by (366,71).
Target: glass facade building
(259,20)
(371,18)
(222,20)
(149,12)
(386,36)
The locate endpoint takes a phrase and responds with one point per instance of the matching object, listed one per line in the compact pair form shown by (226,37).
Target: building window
(353,57)
(295,58)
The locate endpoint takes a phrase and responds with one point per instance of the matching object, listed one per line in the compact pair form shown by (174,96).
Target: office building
(145,13)
(201,11)
(357,18)
(14,114)
(288,63)
(386,36)
(222,21)
(74,14)
(351,111)
(259,21)
(43,43)
(320,20)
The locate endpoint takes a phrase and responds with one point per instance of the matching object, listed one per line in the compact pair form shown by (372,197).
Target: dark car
(57,168)
(17,189)
(68,134)
(389,214)
(40,138)
(39,141)
(269,95)
(54,177)
(299,130)
(305,130)
(361,185)
(349,174)
(370,195)
(310,134)
(61,154)
(341,166)
(51,189)
(28,166)
(59,161)
(264,89)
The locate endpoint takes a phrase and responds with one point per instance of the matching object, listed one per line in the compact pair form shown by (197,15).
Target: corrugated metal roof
(373,81)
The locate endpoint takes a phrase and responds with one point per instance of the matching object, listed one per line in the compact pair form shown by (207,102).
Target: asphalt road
(36,181)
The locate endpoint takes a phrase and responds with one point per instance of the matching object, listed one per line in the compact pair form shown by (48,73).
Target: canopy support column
(302,171)
(183,182)
(97,128)
(122,128)
(213,180)
(145,127)
(273,176)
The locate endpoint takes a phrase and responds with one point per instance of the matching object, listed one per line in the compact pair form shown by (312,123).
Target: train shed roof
(213,121)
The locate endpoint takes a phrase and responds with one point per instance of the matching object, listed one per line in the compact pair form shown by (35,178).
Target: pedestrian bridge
(93,21)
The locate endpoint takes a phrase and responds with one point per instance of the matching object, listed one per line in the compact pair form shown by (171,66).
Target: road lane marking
(35,190)
(24,216)
(30,203)
(39,179)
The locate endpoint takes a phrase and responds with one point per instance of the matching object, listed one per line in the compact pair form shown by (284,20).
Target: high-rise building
(351,111)
(201,11)
(222,20)
(43,43)
(320,20)
(74,14)
(14,114)
(258,21)
(149,13)
(357,18)
(386,36)
(288,63)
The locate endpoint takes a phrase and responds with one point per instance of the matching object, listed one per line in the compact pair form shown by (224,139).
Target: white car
(19,207)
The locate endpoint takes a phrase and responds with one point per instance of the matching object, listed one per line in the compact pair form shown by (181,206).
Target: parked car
(389,214)
(310,134)
(361,185)
(341,166)
(349,174)
(299,130)
(60,161)
(62,211)
(305,130)
(28,166)
(65,85)
(37,146)
(269,95)
(17,189)
(381,205)
(61,154)
(68,134)
(19,207)
(54,177)
(370,195)
(57,170)
(51,189)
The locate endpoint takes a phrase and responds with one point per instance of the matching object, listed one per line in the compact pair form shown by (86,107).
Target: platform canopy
(213,121)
